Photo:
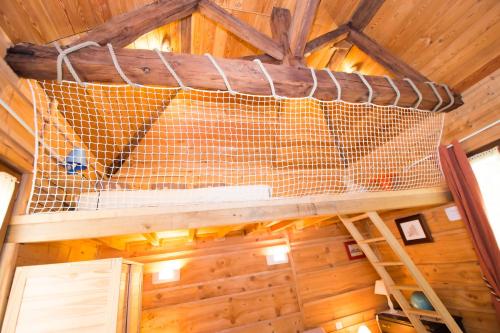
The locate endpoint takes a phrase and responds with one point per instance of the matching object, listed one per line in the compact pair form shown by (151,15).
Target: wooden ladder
(413,314)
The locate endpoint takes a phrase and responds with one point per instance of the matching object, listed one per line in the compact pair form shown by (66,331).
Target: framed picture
(353,250)
(414,229)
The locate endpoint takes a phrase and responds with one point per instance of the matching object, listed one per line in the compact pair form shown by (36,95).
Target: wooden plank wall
(228,283)
(333,288)
(57,252)
(450,265)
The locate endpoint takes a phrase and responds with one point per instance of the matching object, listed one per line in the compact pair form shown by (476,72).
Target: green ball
(419,301)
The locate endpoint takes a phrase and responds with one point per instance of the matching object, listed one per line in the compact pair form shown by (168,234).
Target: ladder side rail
(415,272)
(382,272)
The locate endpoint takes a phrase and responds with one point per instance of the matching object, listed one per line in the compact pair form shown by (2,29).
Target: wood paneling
(450,265)
(439,38)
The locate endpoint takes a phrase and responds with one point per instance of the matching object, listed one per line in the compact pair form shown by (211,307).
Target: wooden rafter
(330,37)
(144,67)
(384,56)
(364,13)
(301,26)
(281,19)
(241,29)
(123,29)
(280,25)
(152,238)
(341,50)
(94,224)
(479,74)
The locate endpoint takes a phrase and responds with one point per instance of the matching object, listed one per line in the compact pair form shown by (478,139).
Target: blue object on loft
(76,161)
(419,301)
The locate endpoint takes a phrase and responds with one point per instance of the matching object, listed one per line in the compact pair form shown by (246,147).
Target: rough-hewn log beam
(330,37)
(364,13)
(240,29)
(383,56)
(123,29)
(94,64)
(302,22)
(281,19)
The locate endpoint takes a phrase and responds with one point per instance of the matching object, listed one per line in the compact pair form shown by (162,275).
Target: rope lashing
(396,90)
(336,82)
(450,95)
(268,77)
(221,72)
(63,56)
(415,89)
(368,86)
(440,99)
(118,67)
(170,70)
(315,82)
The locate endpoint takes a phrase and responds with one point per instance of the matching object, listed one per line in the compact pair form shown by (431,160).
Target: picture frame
(353,250)
(414,229)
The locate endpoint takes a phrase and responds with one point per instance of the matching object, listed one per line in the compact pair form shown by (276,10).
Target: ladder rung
(372,240)
(389,263)
(405,287)
(358,217)
(427,313)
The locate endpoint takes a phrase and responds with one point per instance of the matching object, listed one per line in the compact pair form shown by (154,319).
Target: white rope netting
(111,146)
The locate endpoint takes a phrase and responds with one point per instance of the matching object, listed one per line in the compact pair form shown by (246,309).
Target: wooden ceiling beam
(94,64)
(123,29)
(95,224)
(191,235)
(364,13)
(152,238)
(241,29)
(330,37)
(479,74)
(302,22)
(280,25)
(384,56)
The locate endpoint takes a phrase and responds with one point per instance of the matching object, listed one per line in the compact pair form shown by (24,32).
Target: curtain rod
(479,131)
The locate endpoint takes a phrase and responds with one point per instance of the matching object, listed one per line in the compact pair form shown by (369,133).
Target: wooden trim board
(94,224)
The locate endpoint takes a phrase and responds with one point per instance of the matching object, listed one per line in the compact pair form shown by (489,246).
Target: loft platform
(90,224)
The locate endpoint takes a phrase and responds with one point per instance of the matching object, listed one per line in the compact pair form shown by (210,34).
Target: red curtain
(467,196)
